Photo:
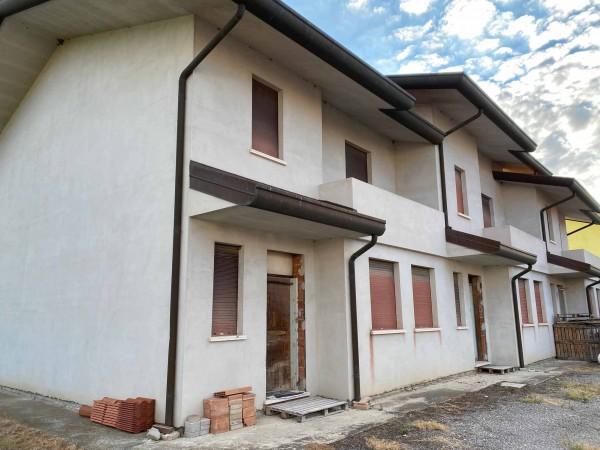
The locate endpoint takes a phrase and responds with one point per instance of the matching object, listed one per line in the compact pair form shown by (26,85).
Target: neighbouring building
(274,213)
(584,235)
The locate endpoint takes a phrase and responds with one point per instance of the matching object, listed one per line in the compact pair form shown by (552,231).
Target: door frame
(479,327)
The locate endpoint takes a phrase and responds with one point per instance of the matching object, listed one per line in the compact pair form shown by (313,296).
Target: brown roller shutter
(537,287)
(356,163)
(265,119)
(383,295)
(460,201)
(523,299)
(225,290)
(422,297)
(486,203)
(457,305)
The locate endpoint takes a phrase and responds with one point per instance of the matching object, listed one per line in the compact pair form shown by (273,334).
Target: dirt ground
(561,413)
(15,436)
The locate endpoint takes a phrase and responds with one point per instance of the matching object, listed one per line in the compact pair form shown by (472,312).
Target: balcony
(514,237)
(409,224)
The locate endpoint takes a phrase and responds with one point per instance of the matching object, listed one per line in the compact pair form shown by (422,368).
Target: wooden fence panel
(578,341)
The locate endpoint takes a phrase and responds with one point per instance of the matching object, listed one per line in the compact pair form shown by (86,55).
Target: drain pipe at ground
(588,292)
(513,283)
(353,315)
(178,208)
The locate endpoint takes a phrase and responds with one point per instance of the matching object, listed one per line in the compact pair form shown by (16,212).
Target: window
(265,119)
(457,302)
(423,306)
(550,221)
(225,291)
(488,214)
(383,295)
(539,303)
(461,191)
(525,317)
(561,299)
(357,163)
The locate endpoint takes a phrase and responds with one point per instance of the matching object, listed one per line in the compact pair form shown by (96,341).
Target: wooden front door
(478,311)
(279,364)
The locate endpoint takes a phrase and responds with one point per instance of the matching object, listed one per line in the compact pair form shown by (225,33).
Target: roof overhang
(581,207)
(486,252)
(260,206)
(580,268)
(30,35)
(458,97)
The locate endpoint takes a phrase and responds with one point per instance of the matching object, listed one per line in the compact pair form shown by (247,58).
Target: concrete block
(249,421)
(219,424)
(170,436)
(216,407)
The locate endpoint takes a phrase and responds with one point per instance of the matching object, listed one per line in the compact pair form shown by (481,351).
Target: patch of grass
(531,398)
(582,446)
(537,399)
(15,436)
(581,392)
(383,444)
(429,425)
(444,442)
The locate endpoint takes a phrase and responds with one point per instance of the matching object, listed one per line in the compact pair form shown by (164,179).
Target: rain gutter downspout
(443,164)
(178,208)
(542,217)
(588,292)
(353,314)
(513,283)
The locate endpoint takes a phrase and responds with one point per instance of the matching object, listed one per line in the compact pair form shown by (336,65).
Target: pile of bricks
(133,415)
(231,409)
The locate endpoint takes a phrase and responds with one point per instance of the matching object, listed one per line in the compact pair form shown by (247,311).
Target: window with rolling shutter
(525,317)
(357,163)
(225,290)
(459,178)
(486,204)
(457,302)
(265,119)
(383,295)
(539,304)
(422,303)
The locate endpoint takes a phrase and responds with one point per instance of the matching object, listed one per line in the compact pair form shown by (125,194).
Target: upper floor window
(461,191)
(524,301)
(488,212)
(357,163)
(225,290)
(550,222)
(265,119)
(422,300)
(383,295)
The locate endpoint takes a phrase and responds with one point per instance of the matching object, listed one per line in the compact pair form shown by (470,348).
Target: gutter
(288,22)
(178,208)
(543,215)
(515,298)
(11,7)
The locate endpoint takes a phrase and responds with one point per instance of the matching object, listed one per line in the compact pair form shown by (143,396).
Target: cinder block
(249,421)
(235,397)
(219,424)
(249,412)
(216,407)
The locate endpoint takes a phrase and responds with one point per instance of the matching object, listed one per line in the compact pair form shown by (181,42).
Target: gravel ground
(534,417)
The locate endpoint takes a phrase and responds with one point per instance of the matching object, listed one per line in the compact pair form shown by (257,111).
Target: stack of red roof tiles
(133,415)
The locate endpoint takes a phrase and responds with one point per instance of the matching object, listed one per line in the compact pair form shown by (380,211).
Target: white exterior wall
(86,190)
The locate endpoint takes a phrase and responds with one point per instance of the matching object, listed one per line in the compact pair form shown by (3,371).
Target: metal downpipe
(543,219)
(353,315)
(516,313)
(588,292)
(178,208)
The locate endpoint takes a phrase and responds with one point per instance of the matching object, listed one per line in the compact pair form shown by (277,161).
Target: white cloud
(414,32)
(379,10)
(404,53)
(467,19)
(525,26)
(416,7)
(565,7)
(487,45)
(553,32)
(503,51)
(357,4)
(415,66)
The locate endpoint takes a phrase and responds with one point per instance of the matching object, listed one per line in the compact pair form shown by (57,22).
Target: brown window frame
(490,203)
(524,301)
(266,118)
(458,304)
(539,301)
(430,321)
(226,302)
(350,148)
(384,304)
(462,205)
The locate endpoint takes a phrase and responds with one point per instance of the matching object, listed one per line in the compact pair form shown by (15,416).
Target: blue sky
(540,60)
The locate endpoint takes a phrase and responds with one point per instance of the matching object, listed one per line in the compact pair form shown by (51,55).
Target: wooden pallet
(496,369)
(304,407)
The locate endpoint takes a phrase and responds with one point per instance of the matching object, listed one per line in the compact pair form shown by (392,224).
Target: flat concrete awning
(575,269)
(473,249)
(225,197)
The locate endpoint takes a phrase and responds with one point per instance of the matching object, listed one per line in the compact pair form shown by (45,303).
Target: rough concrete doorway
(285,358)
(479,318)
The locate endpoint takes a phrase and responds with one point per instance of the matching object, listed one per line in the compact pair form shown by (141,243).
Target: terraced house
(204,194)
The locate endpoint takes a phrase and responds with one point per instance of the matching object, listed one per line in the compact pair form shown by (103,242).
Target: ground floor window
(383,295)
(539,301)
(422,300)
(225,290)
(523,299)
